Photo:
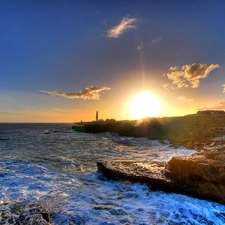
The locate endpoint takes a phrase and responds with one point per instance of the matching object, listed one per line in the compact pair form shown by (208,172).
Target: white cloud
(218,106)
(89,93)
(125,24)
(223,88)
(189,75)
(172,68)
(184,99)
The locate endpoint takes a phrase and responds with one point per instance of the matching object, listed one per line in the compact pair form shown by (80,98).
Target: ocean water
(59,171)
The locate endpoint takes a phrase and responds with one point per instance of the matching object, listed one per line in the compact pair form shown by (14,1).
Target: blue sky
(60,61)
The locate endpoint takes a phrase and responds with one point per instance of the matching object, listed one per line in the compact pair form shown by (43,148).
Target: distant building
(211,112)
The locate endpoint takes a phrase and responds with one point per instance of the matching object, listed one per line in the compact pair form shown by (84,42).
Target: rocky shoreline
(200,132)
(200,175)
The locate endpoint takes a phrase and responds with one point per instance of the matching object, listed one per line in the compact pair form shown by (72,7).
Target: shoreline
(199,132)
(200,175)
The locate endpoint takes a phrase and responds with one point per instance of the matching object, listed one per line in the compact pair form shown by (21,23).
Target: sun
(144,105)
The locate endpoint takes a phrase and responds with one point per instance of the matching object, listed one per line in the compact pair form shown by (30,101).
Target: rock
(24,213)
(197,167)
(144,172)
(201,175)
(191,131)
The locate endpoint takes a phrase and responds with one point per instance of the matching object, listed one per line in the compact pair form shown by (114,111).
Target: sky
(63,60)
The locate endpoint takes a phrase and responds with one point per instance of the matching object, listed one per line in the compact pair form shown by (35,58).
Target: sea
(58,170)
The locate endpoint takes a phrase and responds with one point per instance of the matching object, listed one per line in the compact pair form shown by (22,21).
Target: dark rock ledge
(23,213)
(200,175)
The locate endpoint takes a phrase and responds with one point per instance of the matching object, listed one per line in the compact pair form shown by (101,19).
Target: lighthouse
(96,115)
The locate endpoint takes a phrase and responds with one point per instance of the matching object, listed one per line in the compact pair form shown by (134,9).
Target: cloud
(189,75)
(149,43)
(184,99)
(172,68)
(156,40)
(223,88)
(89,93)
(140,46)
(218,106)
(59,110)
(125,24)
(9,113)
(167,86)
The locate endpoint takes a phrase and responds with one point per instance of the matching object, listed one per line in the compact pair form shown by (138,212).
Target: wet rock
(204,167)
(144,172)
(24,213)
(200,175)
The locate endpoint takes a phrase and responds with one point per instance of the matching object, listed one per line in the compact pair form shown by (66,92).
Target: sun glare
(144,105)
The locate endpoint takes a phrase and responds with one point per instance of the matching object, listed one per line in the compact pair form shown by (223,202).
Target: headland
(195,131)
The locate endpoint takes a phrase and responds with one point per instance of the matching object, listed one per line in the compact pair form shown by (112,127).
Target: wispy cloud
(223,88)
(167,86)
(125,24)
(218,106)
(59,110)
(9,113)
(156,40)
(173,68)
(89,93)
(149,43)
(184,99)
(189,75)
(140,46)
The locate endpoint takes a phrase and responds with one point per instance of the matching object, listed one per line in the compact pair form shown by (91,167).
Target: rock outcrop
(200,175)
(192,131)
(24,213)
(198,167)
(151,172)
